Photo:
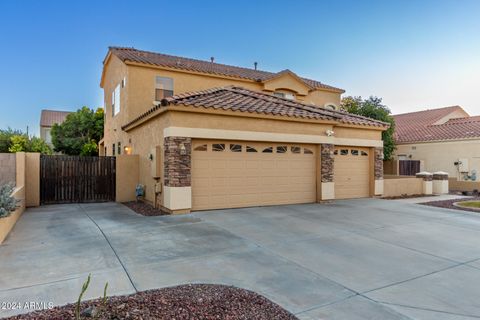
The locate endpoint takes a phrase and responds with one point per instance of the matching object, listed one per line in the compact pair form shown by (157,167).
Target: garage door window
(202,147)
(268,150)
(218,147)
(236,147)
(307,151)
(364,154)
(296,149)
(251,149)
(282,149)
(344,152)
(354,152)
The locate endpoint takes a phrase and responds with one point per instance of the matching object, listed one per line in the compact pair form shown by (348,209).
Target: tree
(17,141)
(80,133)
(373,108)
(5,138)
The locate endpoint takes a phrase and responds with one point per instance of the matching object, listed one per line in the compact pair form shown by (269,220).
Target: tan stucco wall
(126,177)
(289,82)
(440,156)
(456,185)
(32,180)
(398,186)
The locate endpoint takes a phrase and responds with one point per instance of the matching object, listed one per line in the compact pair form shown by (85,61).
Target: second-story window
(116,101)
(285,95)
(163,88)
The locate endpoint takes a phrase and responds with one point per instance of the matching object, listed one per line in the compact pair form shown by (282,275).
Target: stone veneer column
(326,167)
(177,173)
(378,171)
(427,187)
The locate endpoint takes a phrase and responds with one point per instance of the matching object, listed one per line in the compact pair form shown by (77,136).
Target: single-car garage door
(352,172)
(229,174)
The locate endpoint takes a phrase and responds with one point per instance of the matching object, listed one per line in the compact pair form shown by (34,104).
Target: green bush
(8,204)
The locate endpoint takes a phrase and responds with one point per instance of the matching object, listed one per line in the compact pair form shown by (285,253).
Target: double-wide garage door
(229,174)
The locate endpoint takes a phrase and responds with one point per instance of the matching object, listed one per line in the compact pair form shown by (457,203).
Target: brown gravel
(449,204)
(200,301)
(407,196)
(144,208)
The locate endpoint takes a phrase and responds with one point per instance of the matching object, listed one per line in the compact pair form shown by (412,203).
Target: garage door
(228,174)
(352,172)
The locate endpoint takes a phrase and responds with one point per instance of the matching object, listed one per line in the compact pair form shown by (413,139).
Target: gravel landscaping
(144,208)
(200,301)
(450,204)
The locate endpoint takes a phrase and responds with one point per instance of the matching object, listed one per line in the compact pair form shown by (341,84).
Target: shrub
(8,204)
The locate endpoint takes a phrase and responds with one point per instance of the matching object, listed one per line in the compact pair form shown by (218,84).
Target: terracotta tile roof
(49,117)
(243,100)
(420,126)
(164,60)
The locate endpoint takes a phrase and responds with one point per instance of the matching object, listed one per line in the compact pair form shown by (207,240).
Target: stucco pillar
(427,186)
(177,173)
(440,182)
(378,171)
(326,171)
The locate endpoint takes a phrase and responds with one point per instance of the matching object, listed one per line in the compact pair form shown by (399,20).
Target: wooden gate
(67,179)
(408,167)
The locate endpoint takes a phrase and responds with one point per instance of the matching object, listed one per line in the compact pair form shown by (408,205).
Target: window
(354,152)
(119,148)
(48,136)
(124,82)
(163,88)
(330,106)
(113,149)
(363,153)
(251,149)
(202,147)
(268,150)
(335,152)
(344,152)
(296,149)
(236,147)
(285,95)
(116,101)
(218,147)
(307,151)
(282,149)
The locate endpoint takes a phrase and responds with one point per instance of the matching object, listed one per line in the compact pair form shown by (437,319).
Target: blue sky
(413,54)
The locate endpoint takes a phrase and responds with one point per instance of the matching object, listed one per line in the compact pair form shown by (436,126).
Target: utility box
(463,165)
(156,162)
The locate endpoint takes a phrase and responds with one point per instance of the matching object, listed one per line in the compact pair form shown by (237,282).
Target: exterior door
(230,174)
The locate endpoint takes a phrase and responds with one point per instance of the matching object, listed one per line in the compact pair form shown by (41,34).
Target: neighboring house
(445,139)
(215,136)
(47,119)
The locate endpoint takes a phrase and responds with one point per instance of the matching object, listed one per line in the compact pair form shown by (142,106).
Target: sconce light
(329,133)
(127,150)
(150,157)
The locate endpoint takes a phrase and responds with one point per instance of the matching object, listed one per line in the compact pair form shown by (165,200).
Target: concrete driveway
(358,259)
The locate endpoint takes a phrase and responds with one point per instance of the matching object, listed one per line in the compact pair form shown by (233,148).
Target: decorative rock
(90,312)
(327,162)
(177,161)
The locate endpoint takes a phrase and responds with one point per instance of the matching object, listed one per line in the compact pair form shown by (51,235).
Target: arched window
(251,149)
(330,106)
(282,149)
(235,147)
(202,147)
(268,150)
(218,147)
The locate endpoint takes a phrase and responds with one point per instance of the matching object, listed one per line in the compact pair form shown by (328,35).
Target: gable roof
(169,61)
(49,117)
(239,99)
(422,126)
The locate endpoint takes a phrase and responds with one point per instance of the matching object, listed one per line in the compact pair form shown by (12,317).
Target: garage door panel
(351,173)
(238,179)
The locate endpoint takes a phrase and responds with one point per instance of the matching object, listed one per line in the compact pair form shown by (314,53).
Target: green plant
(82,292)
(8,204)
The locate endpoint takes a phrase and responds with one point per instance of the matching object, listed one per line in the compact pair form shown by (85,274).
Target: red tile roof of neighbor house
(164,60)
(238,99)
(49,117)
(421,126)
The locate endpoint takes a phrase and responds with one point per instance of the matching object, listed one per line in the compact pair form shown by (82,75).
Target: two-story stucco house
(213,136)
(47,119)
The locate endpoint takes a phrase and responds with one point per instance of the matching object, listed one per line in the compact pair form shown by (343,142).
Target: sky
(413,54)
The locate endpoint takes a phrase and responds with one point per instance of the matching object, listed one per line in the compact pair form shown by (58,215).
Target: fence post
(427,187)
